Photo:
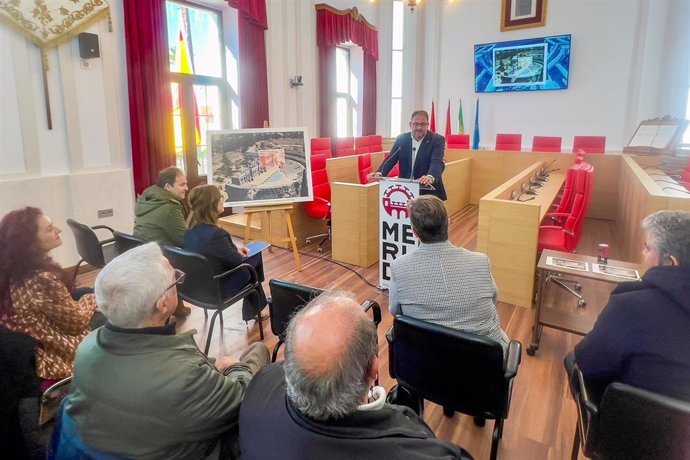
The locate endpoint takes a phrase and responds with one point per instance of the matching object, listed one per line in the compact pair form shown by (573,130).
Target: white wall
(617,57)
(84,163)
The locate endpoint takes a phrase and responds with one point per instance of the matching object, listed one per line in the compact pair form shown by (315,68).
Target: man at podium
(420,156)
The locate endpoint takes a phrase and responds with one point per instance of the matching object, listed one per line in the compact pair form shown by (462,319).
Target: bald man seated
(322,402)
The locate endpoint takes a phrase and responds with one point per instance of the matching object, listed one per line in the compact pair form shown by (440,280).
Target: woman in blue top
(205,237)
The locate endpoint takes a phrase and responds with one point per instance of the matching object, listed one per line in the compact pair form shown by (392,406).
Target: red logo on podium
(395,199)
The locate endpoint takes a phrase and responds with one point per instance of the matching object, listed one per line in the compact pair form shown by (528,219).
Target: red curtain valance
(254,10)
(334,27)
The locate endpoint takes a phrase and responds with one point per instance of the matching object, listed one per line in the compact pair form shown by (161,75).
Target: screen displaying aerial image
(261,166)
(522,65)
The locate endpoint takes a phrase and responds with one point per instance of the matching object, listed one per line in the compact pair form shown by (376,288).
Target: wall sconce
(296,81)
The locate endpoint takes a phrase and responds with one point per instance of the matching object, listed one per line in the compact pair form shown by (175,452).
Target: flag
(448,125)
(475,138)
(461,125)
(183,64)
(432,123)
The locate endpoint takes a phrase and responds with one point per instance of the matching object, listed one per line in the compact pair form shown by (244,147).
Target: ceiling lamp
(413,4)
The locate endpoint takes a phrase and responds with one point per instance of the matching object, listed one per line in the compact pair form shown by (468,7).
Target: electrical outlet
(102,213)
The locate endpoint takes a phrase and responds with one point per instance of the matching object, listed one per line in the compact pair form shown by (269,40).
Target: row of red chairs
(586,144)
(346,145)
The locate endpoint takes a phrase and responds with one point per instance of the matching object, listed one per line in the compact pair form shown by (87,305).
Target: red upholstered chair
(364,165)
(546,144)
(362,145)
(321,146)
(590,144)
(395,172)
(375,143)
(320,208)
(458,141)
(345,146)
(509,142)
(566,237)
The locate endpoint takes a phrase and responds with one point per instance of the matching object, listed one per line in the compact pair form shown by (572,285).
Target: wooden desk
(508,232)
(560,319)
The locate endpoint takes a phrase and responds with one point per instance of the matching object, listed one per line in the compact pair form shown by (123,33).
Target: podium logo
(395,199)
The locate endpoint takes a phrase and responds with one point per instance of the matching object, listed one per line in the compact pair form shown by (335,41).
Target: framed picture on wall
(521,14)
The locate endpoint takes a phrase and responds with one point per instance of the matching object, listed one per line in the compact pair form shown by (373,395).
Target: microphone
(414,151)
(389,157)
(522,201)
(527,190)
(536,183)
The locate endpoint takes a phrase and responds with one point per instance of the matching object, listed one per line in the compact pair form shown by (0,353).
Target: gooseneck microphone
(383,165)
(414,152)
(527,190)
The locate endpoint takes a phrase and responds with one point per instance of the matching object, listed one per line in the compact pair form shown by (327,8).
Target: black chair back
(635,423)
(287,299)
(460,371)
(200,287)
(124,242)
(88,245)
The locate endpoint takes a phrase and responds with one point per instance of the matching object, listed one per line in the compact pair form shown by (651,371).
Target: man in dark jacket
(159,213)
(320,403)
(642,336)
(420,156)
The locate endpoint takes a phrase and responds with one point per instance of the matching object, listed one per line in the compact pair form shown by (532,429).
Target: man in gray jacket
(142,391)
(441,283)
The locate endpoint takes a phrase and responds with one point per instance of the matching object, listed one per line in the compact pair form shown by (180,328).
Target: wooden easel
(268,208)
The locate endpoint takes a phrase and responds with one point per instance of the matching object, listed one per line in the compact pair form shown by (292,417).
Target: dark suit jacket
(429,160)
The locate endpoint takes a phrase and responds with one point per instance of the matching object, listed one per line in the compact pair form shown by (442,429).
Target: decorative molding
(352,12)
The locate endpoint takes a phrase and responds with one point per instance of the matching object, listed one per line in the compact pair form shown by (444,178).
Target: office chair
(203,288)
(509,142)
(344,146)
(462,372)
(589,144)
(566,237)
(364,167)
(458,141)
(362,145)
(320,207)
(124,242)
(546,144)
(288,298)
(321,146)
(375,143)
(629,422)
(89,247)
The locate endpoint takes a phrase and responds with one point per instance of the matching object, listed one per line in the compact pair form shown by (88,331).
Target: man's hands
(244,252)
(426,180)
(374,176)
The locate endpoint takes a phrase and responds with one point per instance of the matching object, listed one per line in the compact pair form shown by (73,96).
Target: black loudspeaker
(88,46)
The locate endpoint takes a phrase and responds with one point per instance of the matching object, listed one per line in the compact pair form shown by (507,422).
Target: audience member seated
(35,292)
(642,336)
(205,237)
(142,391)
(160,215)
(322,402)
(441,283)
(159,212)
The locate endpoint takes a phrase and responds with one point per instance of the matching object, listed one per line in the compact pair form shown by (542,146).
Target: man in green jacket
(140,390)
(159,214)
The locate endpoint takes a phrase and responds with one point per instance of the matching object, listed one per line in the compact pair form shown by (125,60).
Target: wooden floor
(542,418)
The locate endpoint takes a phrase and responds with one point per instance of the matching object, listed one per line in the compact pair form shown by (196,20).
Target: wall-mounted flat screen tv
(532,64)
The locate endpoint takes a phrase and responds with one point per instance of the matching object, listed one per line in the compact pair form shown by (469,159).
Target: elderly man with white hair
(322,403)
(140,390)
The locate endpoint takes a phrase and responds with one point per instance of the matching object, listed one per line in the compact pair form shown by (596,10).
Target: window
(397,68)
(685,141)
(199,84)
(346,90)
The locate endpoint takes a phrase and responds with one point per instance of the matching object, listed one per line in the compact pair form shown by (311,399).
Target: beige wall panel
(355,223)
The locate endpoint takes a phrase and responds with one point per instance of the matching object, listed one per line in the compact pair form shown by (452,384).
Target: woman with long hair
(35,294)
(205,237)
